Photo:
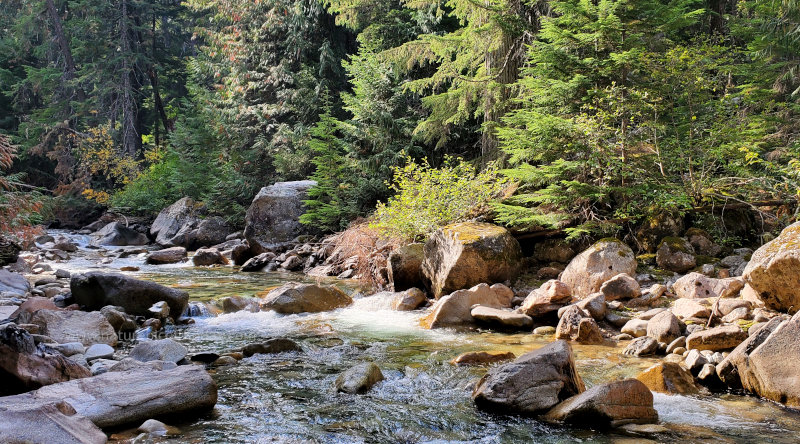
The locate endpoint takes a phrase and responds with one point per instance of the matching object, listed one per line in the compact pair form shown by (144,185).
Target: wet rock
(405,267)
(224,360)
(170,255)
(156,428)
(456,307)
(573,326)
(642,346)
(24,368)
(359,379)
(718,338)
(273,217)
(117,234)
(305,298)
(232,304)
(95,290)
(774,271)
(504,318)
(635,327)
(675,254)
(607,405)
(205,357)
(621,287)
(482,358)
(270,346)
(691,308)
(13,283)
(668,377)
(531,384)
(544,330)
(75,326)
(465,254)
(240,254)
(159,350)
(766,363)
(208,256)
(548,298)
(56,422)
(588,271)
(696,285)
(258,263)
(410,299)
(117,399)
(664,327)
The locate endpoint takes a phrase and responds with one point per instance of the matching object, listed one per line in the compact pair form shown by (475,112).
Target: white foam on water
(697,411)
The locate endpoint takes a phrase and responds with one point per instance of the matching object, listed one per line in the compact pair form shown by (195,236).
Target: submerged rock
(465,254)
(276,345)
(359,379)
(305,298)
(607,405)
(774,271)
(588,271)
(95,290)
(273,217)
(531,384)
(482,358)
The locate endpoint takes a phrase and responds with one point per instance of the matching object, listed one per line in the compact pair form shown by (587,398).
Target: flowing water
(288,397)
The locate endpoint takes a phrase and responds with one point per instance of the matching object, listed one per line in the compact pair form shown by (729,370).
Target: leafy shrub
(427,198)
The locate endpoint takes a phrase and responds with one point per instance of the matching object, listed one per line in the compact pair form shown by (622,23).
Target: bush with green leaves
(427,198)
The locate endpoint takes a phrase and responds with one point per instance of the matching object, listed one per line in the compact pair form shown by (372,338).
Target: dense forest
(580,115)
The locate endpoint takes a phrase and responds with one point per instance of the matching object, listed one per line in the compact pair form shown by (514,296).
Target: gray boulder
(305,298)
(95,290)
(531,384)
(13,283)
(273,217)
(75,326)
(359,379)
(588,271)
(56,422)
(159,350)
(116,234)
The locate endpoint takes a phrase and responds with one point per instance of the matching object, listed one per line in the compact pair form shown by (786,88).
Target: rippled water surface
(289,397)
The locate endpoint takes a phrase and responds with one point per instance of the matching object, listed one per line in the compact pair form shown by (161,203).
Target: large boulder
(13,283)
(95,290)
(208,256)
(588,271)
(465,254)
(531,384)
(774,271)
(620,287)
(205,232)
(676,254)
(56,422)
(65,326)
(607,405)
(172,219)
(405,267)
(669,377)
(116,399)
(766,363)
(273,218)
(116,234)
(455,308)
(305,298)
(26,368)
(696,285)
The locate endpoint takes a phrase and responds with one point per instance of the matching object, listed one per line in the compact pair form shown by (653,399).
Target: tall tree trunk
(128,105)
(63,44)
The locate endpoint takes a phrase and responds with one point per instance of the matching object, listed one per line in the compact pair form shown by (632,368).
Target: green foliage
(427,198)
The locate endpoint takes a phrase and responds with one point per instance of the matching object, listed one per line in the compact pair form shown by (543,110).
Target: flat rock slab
(6,311)
(127,398)
(54,423)
(502,318)
(613,404)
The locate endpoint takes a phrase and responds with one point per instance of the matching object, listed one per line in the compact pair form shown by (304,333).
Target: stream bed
(289,397)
